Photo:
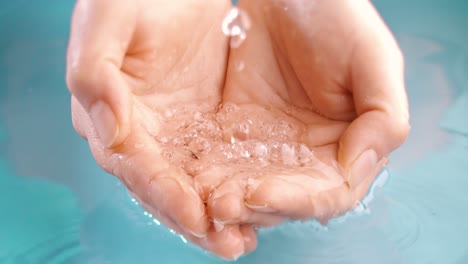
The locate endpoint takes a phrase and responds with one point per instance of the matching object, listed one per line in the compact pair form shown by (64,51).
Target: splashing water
(251,141)
(235,25)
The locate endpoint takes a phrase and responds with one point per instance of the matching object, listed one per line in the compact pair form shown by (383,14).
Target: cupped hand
(127,61)
(331,74)
(312,104)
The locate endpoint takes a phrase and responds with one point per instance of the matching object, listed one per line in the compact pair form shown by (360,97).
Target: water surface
(58,206)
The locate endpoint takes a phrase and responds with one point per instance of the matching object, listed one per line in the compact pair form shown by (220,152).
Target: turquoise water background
(58,206)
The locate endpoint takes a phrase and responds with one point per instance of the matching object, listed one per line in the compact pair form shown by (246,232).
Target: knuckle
(225,208)
(82,78)
(400,129)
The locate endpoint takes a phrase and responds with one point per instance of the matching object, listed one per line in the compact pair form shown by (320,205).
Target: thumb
(98,43)
(380,100)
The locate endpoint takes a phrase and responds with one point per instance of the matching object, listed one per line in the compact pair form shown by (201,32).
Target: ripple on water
(353,238)
(406,225)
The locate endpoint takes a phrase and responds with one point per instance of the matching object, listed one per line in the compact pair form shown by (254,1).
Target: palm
(288,89)
(177,56)
(297,73)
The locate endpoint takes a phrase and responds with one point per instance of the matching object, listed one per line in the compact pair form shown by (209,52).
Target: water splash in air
(235,25)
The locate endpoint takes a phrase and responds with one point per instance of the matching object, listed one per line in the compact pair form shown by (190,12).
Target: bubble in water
(261,151)
(281,129)
(235,24)
(199,145)
(275,152)
(228,108)
(245,153)
(288,154)
(228,154)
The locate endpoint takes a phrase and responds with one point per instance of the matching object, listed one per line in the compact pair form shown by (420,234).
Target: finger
(299,197)
(250,238)
(226,205)
(306,193)
(230,243)
(98,43)
(143,170)
(79,117)
(362,189)
(379,97)
(210,178)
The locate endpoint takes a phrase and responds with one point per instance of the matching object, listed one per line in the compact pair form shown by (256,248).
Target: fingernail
(237,256)
(197,235)
(261,208)
(218,225)
(362,168)
(104,122)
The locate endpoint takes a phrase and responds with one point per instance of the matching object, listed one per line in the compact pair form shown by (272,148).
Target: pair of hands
(335,61)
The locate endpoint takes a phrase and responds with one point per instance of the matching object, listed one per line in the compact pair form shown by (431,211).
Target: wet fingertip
(323,220)
(228,244)
(362,167)
(200,229)
(258,197)
(191,217)
(226,208)
(250,238)
(198,235)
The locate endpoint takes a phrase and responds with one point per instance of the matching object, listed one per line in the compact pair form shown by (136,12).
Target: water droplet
(239,66)
(199,145)
(275,152)
(235,24)
(288,154)
(228,155)
(183,239)
(169,113)
(261,151)
(361,208)
(245,153)
(156,222)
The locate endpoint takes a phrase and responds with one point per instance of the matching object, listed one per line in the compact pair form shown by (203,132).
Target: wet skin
(331,69)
